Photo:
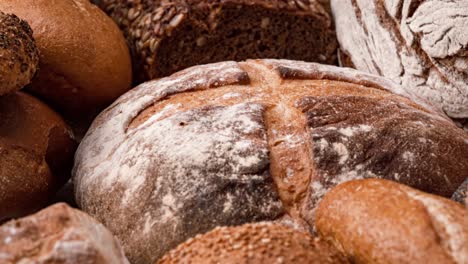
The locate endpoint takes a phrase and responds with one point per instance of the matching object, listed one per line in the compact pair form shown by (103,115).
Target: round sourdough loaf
(262,243)
(422,45)
(229,143)
(36,154)
(379,221)
(19,57)
(84,60)
(169,35)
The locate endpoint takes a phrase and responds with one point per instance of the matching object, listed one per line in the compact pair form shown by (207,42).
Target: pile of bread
(246,137)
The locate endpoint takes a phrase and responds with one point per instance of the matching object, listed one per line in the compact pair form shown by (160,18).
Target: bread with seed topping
(237,142)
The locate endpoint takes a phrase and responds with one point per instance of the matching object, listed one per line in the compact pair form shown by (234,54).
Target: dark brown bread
(423,45)
(84,60)
(379,221)
(58,235)
(261,243)
(231,143)
(36,154)
(19,57)
(170,35)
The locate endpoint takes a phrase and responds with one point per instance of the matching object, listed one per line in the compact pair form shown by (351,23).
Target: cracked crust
(168,36)
(58,234)
(36,154)
(422,45)
(402,225)
(256,140)
(19,57)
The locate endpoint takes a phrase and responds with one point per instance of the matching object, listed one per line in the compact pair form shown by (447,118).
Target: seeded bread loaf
(230,143)
(36,154)
(19,57)
(422,45)
(379,221)
(58,234)
(169,35)
(84,60)
(262,243)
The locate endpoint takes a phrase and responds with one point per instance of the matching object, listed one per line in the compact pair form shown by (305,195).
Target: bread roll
(379,221)
(84,60)
(36,154)
(231,143)
(423,45)
(58,234)
(262,243)
(19,57)
(170,35)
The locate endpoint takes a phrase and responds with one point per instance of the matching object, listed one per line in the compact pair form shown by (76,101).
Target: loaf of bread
(58,234)
(231,143)
(84,60)
(379,221)
(423,45)
(260,243)
(36,154)
(169,35)
(19,57)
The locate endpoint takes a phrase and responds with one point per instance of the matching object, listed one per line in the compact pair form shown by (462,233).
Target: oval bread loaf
(230,143)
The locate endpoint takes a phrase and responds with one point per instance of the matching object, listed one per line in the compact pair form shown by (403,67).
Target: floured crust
(58,234)
(402,225)
(254,243)
(422,45)
(291,129)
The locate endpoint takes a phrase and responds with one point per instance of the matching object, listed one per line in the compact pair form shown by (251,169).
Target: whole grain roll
(58,234)
(379,221)
(262,243)
(232,143)
(36,154)
(19,57)
(84,60)
(423,45)
(166,36)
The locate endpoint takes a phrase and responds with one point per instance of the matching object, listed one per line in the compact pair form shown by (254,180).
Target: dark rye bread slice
(423,45)
(19,57)
(230,143)
(167,36)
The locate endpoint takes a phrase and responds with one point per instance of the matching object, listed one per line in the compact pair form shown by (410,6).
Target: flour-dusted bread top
(423,45)
(379,221)
(261,243)
(230,143)
(166,36)
(58,234)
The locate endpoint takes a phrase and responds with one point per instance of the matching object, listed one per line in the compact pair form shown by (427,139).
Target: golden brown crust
(379,221)
(84,60)
(19,57)
(262,243)
(36,154)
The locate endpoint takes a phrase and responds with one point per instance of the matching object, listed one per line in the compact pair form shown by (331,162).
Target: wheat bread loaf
(166,36)
(231,143)
(36,154)
(380,221)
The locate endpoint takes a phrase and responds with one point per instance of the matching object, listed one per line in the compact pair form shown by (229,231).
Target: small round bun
(254,243)
(84,60)
(36,154)
(19,57)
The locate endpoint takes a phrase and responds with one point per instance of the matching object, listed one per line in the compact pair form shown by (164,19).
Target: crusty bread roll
(379,221)
(230,143)
(170,35)
(19,57)
(261,243)
(84,60)
(36,154)
(423,45)
(58,234)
